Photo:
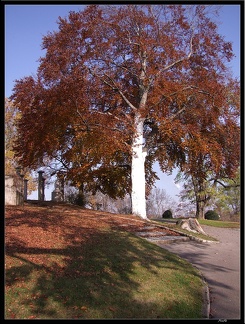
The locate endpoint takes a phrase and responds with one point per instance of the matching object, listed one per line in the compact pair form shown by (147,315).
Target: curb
(194,238)
(168,239)
(206,294)
(206,299)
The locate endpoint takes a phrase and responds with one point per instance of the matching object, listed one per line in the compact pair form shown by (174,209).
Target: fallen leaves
(56,244)
(43,231)
(84,308)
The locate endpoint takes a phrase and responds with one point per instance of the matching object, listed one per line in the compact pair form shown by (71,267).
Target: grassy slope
(64,262)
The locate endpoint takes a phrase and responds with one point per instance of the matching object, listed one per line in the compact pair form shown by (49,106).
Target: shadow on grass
(104,274)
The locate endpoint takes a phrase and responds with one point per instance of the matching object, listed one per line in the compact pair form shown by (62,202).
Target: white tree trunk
(138,171)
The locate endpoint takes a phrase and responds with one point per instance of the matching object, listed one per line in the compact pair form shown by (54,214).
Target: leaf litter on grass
(70,262)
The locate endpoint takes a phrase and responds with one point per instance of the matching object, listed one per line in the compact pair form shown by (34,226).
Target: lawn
(65,262)
(215,223)
(219,223)
(171,224)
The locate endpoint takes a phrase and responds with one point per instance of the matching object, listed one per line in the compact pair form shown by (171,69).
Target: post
(62,188)
(43,186)
(58,193)
(40,186)
(22,189)
(25,189)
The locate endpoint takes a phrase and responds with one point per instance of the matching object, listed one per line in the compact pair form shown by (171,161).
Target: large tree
(121,87)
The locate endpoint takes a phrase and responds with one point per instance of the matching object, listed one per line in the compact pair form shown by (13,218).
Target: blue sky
(25,25)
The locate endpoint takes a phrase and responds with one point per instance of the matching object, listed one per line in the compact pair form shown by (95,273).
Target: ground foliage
(69,262)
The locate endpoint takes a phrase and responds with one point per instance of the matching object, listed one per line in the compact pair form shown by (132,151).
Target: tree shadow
(92,274)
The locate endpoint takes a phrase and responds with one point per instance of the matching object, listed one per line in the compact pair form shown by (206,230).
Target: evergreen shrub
(212,215)
(167,214)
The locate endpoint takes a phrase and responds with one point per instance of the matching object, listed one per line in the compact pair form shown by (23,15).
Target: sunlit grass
(171,224)
(104,275)
(219,223)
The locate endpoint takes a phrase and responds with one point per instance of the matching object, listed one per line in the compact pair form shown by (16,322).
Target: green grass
(219,223)
(113,274)
(171,224)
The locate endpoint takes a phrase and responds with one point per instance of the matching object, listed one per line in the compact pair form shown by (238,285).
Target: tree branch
(225,186)
(115,87)
(180,60)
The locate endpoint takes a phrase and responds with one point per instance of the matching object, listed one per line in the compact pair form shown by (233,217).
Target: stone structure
(191,224)
(25,189)
(41,185)
(58,193)
(14,189)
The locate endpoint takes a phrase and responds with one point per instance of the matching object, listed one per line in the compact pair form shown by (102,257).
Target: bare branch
(115,87)
(178,113)
(180,60)
(235,185)
(172,94)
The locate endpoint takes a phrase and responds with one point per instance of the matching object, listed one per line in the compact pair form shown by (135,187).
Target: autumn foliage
(111,70)
(12,115)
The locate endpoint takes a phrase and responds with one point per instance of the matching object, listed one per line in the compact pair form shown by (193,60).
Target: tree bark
(200,196)
(199,208)
(138,170)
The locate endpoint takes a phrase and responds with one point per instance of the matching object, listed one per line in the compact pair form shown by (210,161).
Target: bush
(167,214)
(75,198)
(211,215)
(80,200)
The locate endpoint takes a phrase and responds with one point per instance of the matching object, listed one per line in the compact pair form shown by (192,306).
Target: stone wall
(14,187)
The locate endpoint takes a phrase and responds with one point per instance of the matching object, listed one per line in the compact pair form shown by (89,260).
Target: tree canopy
(120,87)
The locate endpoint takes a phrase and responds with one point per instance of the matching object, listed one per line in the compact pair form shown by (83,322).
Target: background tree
(204,169)
(12,115)
(222,195)
(198,192)
(227,197)
(122,87)
(185,208)
(158,201)
(98,201)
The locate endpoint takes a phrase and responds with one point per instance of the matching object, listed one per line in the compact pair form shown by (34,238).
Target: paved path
(220,265)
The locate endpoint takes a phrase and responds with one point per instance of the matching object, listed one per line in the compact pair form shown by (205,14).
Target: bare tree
(158,201)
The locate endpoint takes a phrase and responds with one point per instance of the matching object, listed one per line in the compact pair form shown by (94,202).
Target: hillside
(46,223)
(63,261)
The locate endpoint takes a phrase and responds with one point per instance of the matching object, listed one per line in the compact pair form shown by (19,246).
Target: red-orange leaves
(107,64)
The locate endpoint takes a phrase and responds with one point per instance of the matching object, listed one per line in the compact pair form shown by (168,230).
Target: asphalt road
(220,265)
